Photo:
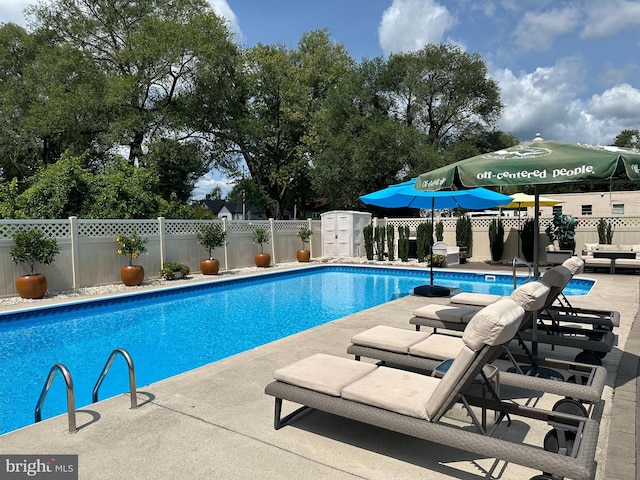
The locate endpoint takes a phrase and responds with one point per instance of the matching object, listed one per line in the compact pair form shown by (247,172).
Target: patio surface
(215,422)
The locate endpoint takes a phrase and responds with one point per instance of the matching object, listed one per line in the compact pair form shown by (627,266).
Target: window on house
(586,210)
(617,208)
(557,209)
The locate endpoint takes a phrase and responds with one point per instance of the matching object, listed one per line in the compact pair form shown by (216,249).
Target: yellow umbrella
(520,200)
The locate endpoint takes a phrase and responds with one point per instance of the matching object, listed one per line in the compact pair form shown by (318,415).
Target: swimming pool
(171,331)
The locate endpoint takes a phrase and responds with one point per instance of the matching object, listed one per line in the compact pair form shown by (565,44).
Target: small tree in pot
(260,236)
(563,229)
(304,234)
(496,239)
(210,237)
(32,246)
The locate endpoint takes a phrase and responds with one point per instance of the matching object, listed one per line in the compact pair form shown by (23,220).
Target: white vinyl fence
(88,249)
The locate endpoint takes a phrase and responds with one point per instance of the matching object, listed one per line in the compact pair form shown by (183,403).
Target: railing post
(73,233)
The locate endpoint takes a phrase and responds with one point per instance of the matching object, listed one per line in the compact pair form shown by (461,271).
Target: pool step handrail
(71,408)
(132,376)
(514,264)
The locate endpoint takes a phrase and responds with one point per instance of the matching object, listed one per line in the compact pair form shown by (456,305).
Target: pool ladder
(71,409)
(514,265)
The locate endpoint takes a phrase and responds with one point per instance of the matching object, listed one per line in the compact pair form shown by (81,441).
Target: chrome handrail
(132,376)
(514,264)
(71,409)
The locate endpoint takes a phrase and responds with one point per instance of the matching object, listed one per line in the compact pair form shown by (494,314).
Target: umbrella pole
(431,242)
(536,241)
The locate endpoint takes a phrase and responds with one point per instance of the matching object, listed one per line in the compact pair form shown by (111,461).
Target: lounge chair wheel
(551,442)
(570,406)
(589,358)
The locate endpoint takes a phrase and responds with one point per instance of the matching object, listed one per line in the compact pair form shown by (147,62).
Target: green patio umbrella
(535,163)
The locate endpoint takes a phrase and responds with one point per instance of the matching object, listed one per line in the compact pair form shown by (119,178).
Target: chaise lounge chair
(561,310)
(595,342)
(425,351)
(415,404)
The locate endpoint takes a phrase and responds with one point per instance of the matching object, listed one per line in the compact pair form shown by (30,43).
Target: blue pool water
(175,330)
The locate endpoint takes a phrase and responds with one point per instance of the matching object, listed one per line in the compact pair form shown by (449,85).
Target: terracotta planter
(210,266)
(263,260)
(31,286)
(132,275)
(303,255)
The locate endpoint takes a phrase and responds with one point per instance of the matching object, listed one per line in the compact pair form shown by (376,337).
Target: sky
(568,69)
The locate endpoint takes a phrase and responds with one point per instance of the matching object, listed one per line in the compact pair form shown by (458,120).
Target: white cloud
(223,9)
(537,31)
(547,101)
(408,25)
(208,182)
(609,18)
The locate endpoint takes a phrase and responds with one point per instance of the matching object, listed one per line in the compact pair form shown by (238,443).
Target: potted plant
(174,271)
(496,239)
(261,237)
(33,246)
(563,229)
(304,234)
(210,237)
(131,246)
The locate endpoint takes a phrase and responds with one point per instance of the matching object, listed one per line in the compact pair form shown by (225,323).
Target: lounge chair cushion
(438,347)
(495,324)
(395,390)
(447,313)
(556,277)
(531,296)
(323,373)
(480,299)
(574,264)
(387,338)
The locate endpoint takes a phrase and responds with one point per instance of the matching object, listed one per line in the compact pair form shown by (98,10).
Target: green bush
(367,232)
(403,243)
(391,234)
(380,240)
(563,229)
(169,270)
(605,232)
(464,234)
(438,260)
(424,240)
(439,231)
(496,239)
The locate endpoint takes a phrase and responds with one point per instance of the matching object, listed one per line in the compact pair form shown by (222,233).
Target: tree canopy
(115,108)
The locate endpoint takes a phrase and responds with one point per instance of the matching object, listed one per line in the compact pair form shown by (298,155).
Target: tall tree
(150,53)
(443,92)
(628,138)
(282,89)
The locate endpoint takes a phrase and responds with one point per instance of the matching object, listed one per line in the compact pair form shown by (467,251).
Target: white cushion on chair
(389,338)
(323,373)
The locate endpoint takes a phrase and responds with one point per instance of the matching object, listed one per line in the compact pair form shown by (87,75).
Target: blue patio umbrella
(403,195)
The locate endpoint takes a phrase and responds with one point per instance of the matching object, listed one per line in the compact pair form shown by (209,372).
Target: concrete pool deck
(216,421)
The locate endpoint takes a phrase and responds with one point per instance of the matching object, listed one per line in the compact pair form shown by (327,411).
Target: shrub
(260,236)
(563,229)
(496,239)
(169,270)
(403,243)
(464,233)
(424,240)
(380,239)
(367,232)
(304,234)
(527,239)
(605,232)
(439,231)
(391,234)
(438,260)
